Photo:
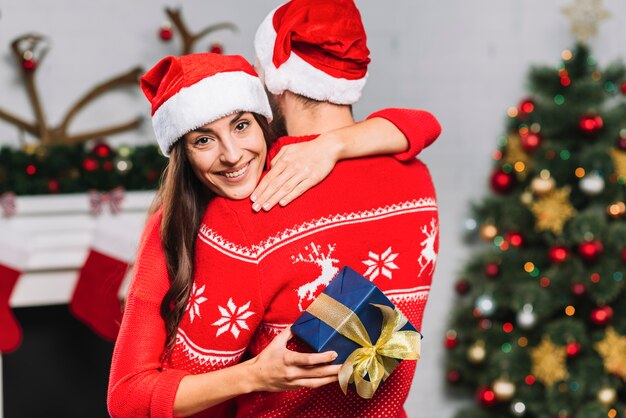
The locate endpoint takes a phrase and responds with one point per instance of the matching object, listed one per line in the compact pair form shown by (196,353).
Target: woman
(210,115)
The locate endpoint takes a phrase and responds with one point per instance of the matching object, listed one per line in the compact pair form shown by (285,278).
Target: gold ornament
(542,186)
(526,198)
(616,210)
(585,16)
(477,353)
(488,232)
(504,389)
(619,159)
(517,157)
(607,396)
(612,349)
(553,210)
(30,149)
(548,362)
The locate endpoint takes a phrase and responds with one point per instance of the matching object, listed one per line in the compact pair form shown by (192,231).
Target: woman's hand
(277,368)
(294,170)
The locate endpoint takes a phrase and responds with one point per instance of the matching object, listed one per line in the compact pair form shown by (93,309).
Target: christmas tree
(539,327)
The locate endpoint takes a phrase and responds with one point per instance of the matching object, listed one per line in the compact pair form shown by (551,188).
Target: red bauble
(492,270)
(53,186)
(29,64)
(558,254)
(462,286)
(166,33)
(531,142)
(485,396)
(602,316)
(502,182)
(90,164)
(572,349)
(624,255)
(216,48)
(590,251)
(453,376)
(590,124)
(102,150)
(526,106)
(451,341)
(578,289)
(152,175)
(623,87)
(621,144)
(31,169)
(514,238)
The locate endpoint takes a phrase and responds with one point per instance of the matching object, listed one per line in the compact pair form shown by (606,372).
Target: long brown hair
(184,200)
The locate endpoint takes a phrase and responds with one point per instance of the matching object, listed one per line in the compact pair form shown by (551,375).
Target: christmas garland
(36,170)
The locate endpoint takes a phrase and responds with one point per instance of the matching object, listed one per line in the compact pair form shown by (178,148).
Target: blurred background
(466,62)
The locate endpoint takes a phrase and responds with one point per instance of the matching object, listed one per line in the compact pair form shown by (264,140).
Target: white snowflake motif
(195,299)
(380,264)
(233,319)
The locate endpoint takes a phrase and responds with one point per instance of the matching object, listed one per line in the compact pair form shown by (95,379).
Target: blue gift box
(356,293)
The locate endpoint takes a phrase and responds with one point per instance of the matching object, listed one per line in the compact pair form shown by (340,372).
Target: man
(376,215)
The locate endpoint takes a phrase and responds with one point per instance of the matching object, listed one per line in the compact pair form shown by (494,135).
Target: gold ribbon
(377,361)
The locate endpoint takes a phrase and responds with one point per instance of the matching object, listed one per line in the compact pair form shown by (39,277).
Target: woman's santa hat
(190,91)
(315,48)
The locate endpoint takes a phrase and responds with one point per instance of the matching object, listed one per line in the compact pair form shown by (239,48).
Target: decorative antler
(30,50)
(188,38)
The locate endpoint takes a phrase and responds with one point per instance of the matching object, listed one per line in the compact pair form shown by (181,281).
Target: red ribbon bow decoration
(7,203)
(113,198)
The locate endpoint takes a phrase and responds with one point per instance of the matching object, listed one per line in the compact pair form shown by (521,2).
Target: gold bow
(377,361)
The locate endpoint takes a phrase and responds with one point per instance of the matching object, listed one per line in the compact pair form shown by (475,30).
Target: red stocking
(95,300)
(10,330)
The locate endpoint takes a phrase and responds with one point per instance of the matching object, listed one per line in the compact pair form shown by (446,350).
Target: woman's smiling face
(228,155)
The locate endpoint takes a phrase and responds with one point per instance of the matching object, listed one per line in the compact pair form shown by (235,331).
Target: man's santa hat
(315,48)
(190,91)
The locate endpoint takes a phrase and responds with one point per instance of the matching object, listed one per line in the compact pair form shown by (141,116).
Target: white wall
(463,60)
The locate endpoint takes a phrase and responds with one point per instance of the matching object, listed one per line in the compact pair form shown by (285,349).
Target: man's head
(314,48)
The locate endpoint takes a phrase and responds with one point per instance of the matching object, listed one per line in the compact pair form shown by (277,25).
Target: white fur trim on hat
(298,76)
(206,101)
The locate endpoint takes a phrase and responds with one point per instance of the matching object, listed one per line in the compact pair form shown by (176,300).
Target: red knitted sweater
(255,272)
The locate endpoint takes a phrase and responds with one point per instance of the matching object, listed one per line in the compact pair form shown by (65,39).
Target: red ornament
(590,124)
(621,144)
(90,164)
(453,376)
(31,169)
(590,251)
(514,238)
(462,286)
(623,87)
(572,349)
(102,150)
(531,142)
(578,289)
(558,254)
(29,64)
(492,270)
(602,316)
(501,182)
(451,340)
(624,255)
(152,175)
(166,33)
(107,166)
(485,396)
(526,106)
(53,186)
(216,48)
